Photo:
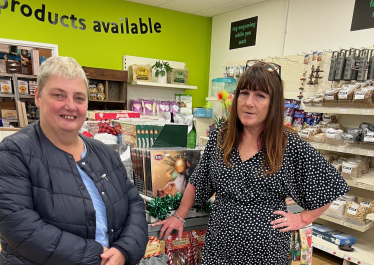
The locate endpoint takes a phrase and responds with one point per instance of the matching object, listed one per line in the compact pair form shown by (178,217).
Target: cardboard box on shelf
(6,87)
(111,115)
(202,112)
(7,114)
(35,61)
(4,48)
(2,66)
(23,87)
(7,104)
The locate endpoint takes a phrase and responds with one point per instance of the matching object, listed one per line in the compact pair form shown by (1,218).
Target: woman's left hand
(289,221)
(113,257)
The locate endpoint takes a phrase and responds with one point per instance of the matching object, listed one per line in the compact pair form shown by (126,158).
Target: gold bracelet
(179,218)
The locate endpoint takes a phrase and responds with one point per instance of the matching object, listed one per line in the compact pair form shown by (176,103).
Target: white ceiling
(206,8)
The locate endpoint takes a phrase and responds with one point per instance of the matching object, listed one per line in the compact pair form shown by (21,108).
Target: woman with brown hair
(252,162)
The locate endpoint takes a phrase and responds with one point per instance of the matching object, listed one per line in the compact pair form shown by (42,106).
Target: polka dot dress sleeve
(201,177)
(315,181)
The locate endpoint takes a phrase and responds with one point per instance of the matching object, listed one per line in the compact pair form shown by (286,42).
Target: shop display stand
(363,253)
(153,90)
(17,97)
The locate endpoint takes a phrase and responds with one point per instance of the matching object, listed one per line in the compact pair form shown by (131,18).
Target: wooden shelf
(27,96)
(361,228)
(161,85)
(370,217)
(354,111)
(6,75)
(362,255)
(366,182)
(10,120)
(348,149)
(7,95)
(27,76)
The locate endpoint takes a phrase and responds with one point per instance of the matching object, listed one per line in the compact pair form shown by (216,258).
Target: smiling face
(63,105)
(252,108)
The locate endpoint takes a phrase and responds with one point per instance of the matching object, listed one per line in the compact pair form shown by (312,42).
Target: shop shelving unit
(363,253)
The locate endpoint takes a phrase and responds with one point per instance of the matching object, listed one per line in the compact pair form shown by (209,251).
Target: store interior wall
(183,38)
(311,25)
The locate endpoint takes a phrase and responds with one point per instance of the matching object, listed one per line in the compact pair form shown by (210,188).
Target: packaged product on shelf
(368,203)
(306,245)
(348,198)
(357,212)
(140,72)
(345,96)
(371,162)
(174,107)
(92,92)
(338,165)
(178,76)
(327,118)
(180,250)
(307,134)
(328,157)
(360,163)
(335,126)
(350,170)
(336,209)
(317,102)
(32,87)
(2,66)
(185,103)
(198,240)
(320,138)
(308,101)
(331,235)
(23,87)
(164,106)
(298,120)
(331,98)
(147,105)
(100,94)
(111,114)
(6,87)
(363,97)
(333,136)
(136,106)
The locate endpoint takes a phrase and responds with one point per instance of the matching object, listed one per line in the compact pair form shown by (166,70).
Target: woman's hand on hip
(288,222)
(168,226)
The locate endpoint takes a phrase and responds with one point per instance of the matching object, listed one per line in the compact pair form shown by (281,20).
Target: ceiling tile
(149,2)
(180,7)
(202,4)
(205,13)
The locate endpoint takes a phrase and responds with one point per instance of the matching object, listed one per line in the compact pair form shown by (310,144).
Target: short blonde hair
(59,66)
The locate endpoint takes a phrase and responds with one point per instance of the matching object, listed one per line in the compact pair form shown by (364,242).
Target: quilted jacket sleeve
(24,230)
(134,237)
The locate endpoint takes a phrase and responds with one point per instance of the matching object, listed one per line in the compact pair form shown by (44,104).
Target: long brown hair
(273,137)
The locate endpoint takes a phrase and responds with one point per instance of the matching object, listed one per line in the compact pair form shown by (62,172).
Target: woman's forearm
(188,200)
(308,217)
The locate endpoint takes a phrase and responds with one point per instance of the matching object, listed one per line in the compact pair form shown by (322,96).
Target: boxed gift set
(163,171)
(110,115)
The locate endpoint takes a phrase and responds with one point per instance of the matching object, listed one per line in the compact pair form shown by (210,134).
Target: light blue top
(102,235)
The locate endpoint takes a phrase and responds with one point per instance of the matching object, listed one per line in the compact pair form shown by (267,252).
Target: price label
(316,146)
(366,112)
(361,185)
(341,149)
(371,153)
(350,150)
(330,147)
(343,111)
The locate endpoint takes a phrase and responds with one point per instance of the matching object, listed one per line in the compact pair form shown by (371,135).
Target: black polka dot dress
(239,230)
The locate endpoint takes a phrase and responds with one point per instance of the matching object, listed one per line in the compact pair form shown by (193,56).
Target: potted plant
(162,68)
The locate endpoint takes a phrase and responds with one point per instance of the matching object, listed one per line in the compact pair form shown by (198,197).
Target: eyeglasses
(271,67)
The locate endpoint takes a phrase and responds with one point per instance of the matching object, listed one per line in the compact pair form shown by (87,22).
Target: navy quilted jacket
(46,213)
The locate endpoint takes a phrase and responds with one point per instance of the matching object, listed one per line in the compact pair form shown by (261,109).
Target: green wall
(184,37)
